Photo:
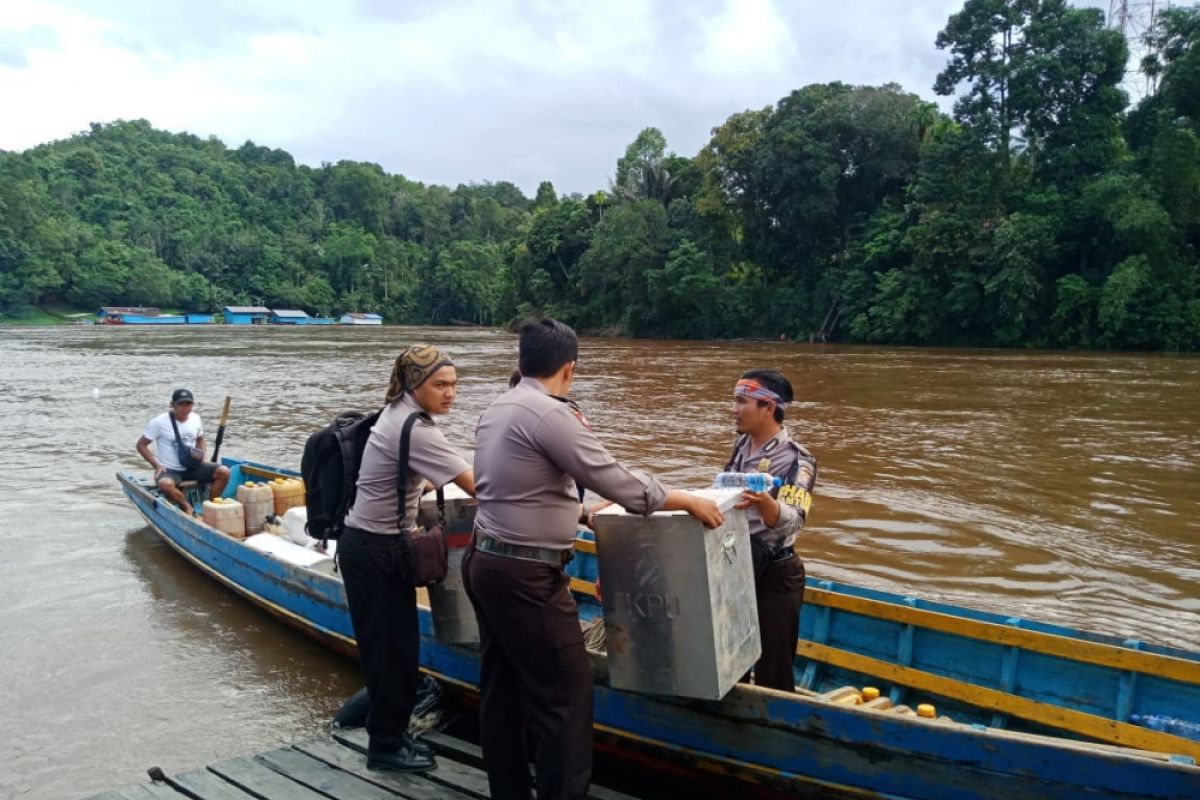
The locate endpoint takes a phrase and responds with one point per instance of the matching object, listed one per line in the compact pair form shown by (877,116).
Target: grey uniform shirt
(529,447)
(798,469)
(430,457)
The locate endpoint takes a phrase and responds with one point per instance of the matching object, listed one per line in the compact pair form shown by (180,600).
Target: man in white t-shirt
(178,438)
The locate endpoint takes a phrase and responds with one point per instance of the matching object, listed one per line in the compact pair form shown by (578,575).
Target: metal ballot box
(680,616)
(453,617)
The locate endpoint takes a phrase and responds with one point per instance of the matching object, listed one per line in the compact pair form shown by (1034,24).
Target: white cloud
(749,36)
(448,91)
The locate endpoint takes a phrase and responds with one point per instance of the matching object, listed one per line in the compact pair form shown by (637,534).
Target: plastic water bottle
(1165,724)
(752,481)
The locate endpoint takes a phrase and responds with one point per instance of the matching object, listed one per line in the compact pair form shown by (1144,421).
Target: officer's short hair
(546,344)
(773,380)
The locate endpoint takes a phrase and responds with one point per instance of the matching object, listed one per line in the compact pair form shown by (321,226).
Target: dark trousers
(383,608)
(536,676)
(780,594)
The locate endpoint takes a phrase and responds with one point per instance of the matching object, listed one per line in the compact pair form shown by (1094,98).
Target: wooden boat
(1023,709)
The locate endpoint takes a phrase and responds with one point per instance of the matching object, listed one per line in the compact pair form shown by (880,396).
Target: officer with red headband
(763,445)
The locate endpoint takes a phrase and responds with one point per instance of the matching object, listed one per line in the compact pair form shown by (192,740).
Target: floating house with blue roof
(291,316)
(288,316)
(246,315)
(147,315)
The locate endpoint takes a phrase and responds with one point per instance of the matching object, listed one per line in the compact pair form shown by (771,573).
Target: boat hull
(773,739)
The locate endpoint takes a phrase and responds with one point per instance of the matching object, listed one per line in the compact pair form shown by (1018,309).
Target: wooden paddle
(221,430)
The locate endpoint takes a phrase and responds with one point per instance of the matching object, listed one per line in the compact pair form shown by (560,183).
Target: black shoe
(419,746)
(406,759)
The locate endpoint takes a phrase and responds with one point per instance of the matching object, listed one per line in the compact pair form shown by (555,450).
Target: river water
(1061,486)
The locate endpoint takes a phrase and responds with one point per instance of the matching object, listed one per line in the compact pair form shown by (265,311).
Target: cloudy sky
(445,91)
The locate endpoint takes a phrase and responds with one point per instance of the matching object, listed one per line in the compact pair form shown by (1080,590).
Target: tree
(649,147)
(1040,67)
(984,40)
(685,294)
(346,251)
(626,244)
(546,197)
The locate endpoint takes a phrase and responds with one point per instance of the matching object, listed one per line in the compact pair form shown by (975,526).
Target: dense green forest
(1045,211)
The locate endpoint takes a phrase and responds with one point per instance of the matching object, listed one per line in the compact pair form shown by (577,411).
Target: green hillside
(1042,212)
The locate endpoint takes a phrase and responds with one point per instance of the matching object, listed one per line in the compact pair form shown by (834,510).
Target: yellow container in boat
(259,502)
(288,492)
(926,710)
(227,516)
(869,693)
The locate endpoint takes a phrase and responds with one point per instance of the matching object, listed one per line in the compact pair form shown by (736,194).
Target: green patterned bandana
(413,367)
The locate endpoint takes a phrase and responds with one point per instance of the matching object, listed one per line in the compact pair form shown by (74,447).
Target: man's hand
(590,521)
(706,511)
(766,505)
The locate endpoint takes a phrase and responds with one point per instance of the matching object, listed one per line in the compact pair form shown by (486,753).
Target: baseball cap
(182,396)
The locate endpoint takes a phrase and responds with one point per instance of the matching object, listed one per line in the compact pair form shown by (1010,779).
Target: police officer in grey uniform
(763,445)
(531,448)
(372,558)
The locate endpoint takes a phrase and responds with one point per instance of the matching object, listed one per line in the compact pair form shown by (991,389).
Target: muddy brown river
(1061,486)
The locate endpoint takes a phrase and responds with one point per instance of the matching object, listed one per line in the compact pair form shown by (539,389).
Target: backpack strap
(175,427)
(402,474)
(183,453)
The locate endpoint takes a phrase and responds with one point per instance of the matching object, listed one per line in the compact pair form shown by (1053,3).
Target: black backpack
(329,467)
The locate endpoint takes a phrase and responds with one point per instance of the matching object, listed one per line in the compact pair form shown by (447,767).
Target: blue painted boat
(1023,709)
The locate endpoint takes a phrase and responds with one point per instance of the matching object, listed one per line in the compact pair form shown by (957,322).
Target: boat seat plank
(261,781)
(319,776)
(410,787)
(1080,722)
(460,777)
(203,784)
(1104,655)
(259,472)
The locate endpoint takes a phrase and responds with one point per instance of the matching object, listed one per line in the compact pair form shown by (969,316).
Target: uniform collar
(532,383)
(541,387)
(410,404)
(770,446)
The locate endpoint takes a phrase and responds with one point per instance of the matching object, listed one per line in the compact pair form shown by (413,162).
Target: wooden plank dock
(329,768)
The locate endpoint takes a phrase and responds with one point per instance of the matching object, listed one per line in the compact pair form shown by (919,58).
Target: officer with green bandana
(371,555)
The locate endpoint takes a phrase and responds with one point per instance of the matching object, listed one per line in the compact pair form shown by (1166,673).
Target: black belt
(782,554)
(547,555)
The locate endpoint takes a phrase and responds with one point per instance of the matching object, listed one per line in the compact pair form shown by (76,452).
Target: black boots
(413,756)
(419,746)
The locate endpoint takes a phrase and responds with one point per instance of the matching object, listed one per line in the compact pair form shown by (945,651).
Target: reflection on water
(1061,486)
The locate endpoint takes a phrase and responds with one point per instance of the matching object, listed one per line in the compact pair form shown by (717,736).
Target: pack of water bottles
(750,481)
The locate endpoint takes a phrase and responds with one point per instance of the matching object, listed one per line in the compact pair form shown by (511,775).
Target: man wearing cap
(371,553)
(531,450)
(178,438)
(763,445)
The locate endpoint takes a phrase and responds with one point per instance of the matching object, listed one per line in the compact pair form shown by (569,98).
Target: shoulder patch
(802,450)
(577,412)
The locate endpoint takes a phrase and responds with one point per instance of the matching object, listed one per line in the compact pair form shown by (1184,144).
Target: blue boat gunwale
(988,628)
(790,714)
